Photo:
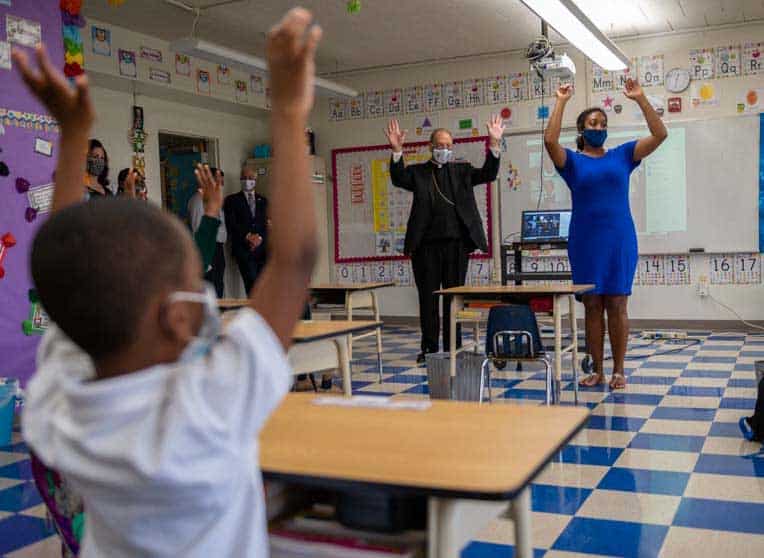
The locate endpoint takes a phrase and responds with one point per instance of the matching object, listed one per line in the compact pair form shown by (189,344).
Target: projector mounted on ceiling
(547,64)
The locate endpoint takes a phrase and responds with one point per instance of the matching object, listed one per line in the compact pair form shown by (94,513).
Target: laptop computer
(545,225)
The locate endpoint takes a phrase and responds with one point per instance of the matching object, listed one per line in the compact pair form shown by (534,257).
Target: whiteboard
(700,189)
(371,215)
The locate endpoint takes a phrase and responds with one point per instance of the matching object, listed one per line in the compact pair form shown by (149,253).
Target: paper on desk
(374,401)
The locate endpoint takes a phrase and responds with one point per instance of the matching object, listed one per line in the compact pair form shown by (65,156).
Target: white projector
(561,67)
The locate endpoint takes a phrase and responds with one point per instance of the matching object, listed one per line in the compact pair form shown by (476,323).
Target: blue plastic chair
(513,334)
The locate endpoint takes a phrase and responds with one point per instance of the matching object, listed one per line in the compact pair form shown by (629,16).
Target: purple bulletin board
(17,350)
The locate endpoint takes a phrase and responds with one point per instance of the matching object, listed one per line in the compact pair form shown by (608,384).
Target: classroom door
(178,156)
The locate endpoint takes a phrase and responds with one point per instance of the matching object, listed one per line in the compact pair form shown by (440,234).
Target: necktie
(251,202)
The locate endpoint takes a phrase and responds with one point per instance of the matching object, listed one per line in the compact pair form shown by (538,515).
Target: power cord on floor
(738,316)
(588,366)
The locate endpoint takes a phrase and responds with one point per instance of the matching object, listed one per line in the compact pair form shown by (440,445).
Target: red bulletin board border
(335,195)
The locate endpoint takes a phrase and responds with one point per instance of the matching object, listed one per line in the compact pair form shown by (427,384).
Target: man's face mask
(211,327)
(95,166)
(442,155)
(248,184)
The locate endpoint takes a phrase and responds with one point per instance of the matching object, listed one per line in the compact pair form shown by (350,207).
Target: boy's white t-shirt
(165,459)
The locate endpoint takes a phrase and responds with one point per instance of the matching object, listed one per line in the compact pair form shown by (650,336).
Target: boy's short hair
(96,265)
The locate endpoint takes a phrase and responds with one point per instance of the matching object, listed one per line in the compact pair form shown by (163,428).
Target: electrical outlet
(703,286)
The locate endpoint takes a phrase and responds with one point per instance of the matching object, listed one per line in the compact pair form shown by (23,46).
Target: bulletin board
(27,134)
(370,214)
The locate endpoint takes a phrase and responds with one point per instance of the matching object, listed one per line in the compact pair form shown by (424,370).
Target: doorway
(178,156)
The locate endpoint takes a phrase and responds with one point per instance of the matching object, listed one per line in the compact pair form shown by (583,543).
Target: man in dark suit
(246,218)
(444,226)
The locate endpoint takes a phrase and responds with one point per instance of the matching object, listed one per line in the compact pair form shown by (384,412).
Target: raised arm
(490,168)
(553,127)
(281,290)
(205,233)
(400,175)
(658,132)
(73,109)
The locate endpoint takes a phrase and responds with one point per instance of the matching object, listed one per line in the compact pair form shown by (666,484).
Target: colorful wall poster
(474,92)
(337,109)
(452,95)
(413,99)
(355,107)
(650,70)
(602,80)
(241,91)
(182,65)
(101,39)
(257,84)
(751,101)
(496,90)
(394,102)
(432,97)
(728,61)
(753,56)
(224,74)
(203,82)
(5,55)
(702,63)
(517,87)
(152,54)
(127,67)
(375,104)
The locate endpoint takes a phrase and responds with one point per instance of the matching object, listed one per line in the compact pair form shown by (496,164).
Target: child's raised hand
(291,50)
(211,188)
(70,106)
(130,179)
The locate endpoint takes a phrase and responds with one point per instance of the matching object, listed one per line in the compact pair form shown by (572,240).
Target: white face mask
(248,184)
(442,156)
(211,327)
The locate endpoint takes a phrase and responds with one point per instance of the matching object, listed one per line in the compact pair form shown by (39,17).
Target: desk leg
(557,349)
(343,359)
(375,307)
(521,513)
(349,314)
(574,334)
(433,527)
(453,523)
(457,304)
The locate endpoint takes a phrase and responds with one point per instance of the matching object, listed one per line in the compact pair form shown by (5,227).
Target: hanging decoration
(6,241)
(73,21)
(137,137)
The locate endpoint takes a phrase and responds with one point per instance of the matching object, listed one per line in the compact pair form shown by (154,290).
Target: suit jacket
(464,177)
(239,222)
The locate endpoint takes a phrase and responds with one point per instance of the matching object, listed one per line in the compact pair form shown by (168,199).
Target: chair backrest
(64,507)
(512,317)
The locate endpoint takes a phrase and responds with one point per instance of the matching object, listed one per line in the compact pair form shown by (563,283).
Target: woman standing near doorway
(97,171)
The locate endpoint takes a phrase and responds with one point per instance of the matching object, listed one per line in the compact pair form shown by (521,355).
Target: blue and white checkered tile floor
(661,469)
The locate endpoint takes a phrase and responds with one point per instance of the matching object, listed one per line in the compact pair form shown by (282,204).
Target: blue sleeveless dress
(603,240)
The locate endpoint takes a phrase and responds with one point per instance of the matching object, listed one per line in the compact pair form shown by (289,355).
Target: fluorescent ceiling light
(237,59)
(570,22)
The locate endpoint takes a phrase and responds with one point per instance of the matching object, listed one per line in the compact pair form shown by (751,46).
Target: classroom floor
(661,469)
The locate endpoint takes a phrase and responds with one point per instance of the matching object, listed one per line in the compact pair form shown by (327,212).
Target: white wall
(647,302)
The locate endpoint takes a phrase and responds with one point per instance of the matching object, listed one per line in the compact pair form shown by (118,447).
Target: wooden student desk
(354,296)
(470,460)
(323,345)
(521,293)
(319,345)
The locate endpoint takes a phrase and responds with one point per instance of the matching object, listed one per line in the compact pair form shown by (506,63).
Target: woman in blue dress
(603,241)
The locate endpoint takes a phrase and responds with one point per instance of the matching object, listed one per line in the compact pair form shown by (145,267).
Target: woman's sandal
(592,380)
(617,381)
